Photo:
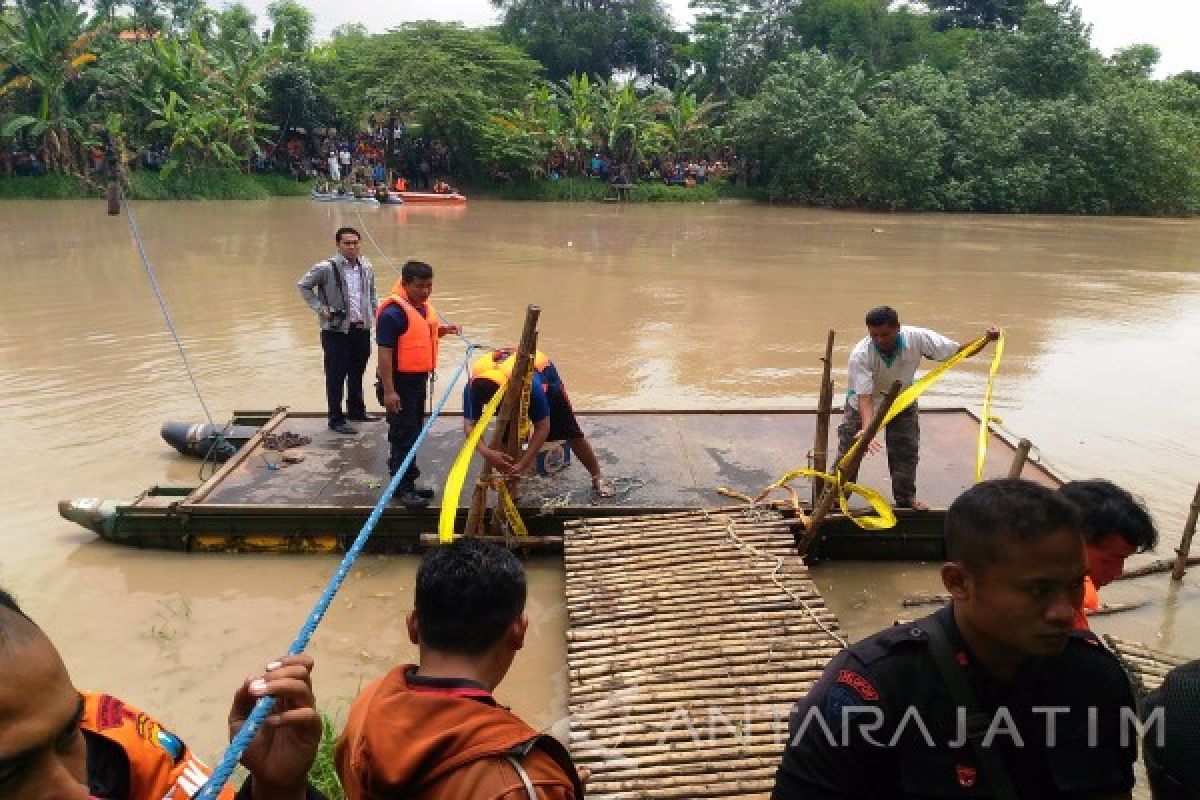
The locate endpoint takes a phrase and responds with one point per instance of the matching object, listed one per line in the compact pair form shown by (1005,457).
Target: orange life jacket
(488,368)
(160,764)
(1091,602)
(401,185)
(417,348)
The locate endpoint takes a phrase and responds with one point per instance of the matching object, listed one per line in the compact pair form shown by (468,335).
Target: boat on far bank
(433,198)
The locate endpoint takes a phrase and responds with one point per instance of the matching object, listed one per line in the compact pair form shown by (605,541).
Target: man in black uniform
(994,695)
(1173,741)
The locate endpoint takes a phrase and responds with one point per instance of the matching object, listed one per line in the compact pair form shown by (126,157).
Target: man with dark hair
(1172,740)
(550,413)
(887,354)
(59,742)
(341,290)
(432,729)
(407,332)
(994,695)
(1115,526)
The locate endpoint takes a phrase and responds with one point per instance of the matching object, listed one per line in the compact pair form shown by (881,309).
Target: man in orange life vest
(57,742)
(1116,526)
(407,333)
(549,410)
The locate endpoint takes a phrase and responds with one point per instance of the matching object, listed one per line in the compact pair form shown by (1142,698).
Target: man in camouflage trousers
(889,353)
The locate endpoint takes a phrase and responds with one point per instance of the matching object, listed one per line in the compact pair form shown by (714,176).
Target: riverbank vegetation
(988,105)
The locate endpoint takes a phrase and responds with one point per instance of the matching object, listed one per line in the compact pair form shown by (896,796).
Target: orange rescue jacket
(419,743)
(159,763)
(417,347)
(497,371)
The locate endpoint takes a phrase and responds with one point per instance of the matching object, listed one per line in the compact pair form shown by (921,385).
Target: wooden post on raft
(849,469)
(1185,544)
(824,408)
(1019,458)
(506,436)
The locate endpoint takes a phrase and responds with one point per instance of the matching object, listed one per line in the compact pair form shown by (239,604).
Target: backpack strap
(994,771)
(524,776)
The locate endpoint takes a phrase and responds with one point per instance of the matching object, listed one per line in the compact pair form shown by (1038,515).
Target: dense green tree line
(996,105)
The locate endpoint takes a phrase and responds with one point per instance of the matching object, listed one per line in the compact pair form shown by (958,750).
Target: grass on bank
(203,184)
(323,775)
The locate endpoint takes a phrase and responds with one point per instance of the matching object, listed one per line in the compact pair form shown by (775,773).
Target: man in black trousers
(341,290)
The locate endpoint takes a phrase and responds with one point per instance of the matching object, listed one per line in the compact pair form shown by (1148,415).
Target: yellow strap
(884,516)
(986,417)
(525,427)
(509,507)
(458,471)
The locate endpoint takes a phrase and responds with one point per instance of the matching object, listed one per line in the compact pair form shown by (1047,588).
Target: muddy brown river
(709,306)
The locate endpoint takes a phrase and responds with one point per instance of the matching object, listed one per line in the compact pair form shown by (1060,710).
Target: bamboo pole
(1155,567)
(849,470)
(1019,458)
(655,700)
(685,630)
(590,652)
(582,671)
(504,416)
(748,666)
(604,688)
(824,409)
(604,714)
(1185,543)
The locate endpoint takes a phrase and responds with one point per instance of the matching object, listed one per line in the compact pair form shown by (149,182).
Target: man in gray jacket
(341,290)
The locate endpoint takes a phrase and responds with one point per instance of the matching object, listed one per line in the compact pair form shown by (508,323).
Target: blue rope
(263,707)
(162,303)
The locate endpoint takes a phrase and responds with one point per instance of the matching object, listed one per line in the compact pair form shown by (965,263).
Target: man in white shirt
(887,354)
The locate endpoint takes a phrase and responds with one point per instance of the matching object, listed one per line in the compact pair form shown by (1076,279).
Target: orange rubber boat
(439,198)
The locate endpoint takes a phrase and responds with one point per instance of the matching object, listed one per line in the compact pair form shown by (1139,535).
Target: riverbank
(588,190)
(144,185)
(226,185)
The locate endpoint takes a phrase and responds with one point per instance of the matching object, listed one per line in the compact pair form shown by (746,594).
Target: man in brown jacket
(433,730)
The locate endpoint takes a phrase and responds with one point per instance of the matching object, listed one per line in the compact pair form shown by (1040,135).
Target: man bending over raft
(891,352)
(549,410)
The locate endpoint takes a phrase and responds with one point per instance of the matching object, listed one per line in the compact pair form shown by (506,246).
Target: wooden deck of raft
(690,636)
(1146,666)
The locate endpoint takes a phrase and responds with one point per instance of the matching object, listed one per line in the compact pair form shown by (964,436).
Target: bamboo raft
(690,636)
(1146,666)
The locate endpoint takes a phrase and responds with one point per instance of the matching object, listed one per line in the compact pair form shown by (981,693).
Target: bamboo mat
(1146,666)
(688,642)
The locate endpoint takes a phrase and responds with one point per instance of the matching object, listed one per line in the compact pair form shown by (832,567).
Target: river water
(705,306)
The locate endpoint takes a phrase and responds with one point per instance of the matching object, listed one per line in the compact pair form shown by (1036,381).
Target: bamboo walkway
(1147,667)
(690,636)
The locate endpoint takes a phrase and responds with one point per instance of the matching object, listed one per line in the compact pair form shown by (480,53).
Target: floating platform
(690,636)
(662,461)
(1146,666)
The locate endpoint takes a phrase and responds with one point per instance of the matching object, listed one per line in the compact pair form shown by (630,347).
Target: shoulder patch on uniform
(112,713)
(862,687)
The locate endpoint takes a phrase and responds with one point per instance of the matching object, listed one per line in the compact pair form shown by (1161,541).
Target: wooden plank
(239,458)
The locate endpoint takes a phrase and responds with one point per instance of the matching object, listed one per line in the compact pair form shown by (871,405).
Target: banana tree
(578,97)
(44,48)
(685,120)
(626,122)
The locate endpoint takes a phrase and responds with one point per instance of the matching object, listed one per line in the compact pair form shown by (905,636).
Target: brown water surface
(713,306)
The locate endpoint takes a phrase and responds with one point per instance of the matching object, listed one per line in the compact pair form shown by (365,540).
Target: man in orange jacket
(433,730)
(407,331)
(58,742)
(1116,526)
